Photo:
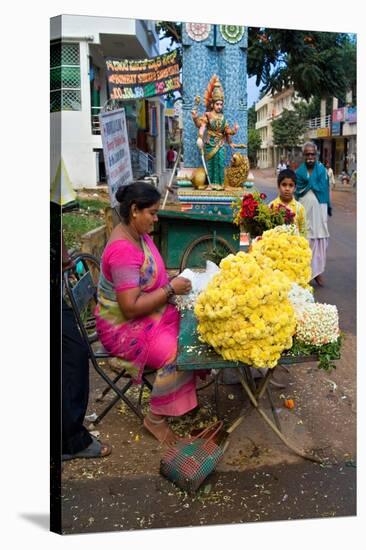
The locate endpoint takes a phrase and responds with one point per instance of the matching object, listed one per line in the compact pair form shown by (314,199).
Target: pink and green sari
(143,342)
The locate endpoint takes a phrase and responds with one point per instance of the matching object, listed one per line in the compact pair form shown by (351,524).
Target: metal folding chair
(81,288)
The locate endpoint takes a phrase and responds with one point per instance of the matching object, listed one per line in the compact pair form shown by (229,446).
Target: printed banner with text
(116,151)
(129,79)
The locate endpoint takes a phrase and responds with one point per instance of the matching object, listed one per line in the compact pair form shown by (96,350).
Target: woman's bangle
(169,290)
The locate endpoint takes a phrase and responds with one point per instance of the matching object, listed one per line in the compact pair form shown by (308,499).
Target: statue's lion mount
(236,174)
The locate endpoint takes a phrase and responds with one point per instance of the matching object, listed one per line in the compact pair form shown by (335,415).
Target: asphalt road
(286,492)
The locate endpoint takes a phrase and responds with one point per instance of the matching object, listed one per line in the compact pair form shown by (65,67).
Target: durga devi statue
(213,132)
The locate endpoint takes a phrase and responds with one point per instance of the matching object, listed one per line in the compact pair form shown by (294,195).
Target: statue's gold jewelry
(218,92)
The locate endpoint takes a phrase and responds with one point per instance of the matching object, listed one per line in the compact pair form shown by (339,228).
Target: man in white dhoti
(312,190)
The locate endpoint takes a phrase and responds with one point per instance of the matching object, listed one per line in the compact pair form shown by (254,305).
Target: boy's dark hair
(140,193)
(286,174)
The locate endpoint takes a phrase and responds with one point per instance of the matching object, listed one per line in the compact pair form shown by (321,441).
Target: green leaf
(326,353)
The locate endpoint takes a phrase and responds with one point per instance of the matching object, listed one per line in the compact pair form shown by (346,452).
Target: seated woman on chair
(135,319)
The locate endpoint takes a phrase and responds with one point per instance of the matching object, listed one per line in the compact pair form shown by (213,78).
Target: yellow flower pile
(288,252)
(244,313)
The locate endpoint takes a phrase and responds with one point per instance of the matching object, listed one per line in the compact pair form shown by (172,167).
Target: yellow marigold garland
(288,252)
(245,313)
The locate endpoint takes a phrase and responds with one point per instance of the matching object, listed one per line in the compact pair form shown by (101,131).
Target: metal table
(195,355)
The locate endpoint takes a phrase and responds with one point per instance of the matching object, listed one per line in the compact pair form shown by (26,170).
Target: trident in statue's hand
(205,166)
(194,113)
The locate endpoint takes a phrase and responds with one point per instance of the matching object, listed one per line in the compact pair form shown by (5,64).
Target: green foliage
(263,219)
(319,64)
(268,218)
(254,138)
(312,108)
(255,216)
(252,117)
(308,110)
(288,129)
(75,224)
(169,29)
(254,144)
(326,353)
(349,63)
(95,206)
(278,217)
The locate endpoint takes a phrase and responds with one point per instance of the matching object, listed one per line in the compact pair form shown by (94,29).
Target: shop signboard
(351,114)
(169,107)
(322,132)
(336,128)
(338,115)
(138,79)
(116,151)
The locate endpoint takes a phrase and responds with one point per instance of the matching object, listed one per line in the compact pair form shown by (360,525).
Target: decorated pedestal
(207,201)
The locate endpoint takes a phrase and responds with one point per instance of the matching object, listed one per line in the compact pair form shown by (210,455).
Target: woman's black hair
(140,193)
(287,173)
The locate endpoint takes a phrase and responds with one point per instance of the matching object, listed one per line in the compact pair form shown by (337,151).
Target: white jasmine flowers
(317,324)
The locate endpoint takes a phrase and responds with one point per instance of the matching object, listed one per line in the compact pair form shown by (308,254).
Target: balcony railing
(142,163)
(319,122)
(95,120)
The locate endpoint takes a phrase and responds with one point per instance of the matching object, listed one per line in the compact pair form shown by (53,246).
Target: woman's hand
(181,285)
(236,127)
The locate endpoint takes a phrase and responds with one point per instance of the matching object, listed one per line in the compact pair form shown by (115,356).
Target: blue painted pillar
(207,50)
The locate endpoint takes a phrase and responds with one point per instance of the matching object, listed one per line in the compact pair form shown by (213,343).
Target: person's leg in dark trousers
(75,385)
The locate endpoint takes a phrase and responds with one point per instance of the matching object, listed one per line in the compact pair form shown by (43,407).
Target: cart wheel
(207,247)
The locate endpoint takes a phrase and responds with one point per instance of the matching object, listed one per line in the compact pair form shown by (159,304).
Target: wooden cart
(188,239)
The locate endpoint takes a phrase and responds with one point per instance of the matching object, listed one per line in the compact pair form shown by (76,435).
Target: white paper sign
(116,151)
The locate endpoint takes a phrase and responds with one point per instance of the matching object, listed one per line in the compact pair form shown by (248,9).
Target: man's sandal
(96,449)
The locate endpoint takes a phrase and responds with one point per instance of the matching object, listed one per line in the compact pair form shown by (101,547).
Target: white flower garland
(317,324)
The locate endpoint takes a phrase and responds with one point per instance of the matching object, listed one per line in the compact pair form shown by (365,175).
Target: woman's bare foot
(320,280)
(160,429)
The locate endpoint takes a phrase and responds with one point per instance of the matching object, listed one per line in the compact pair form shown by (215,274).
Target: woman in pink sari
(135,319)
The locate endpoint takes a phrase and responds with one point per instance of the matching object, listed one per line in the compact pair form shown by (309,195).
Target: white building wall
(268,108)
(77,140)
(264,109)
(349,129)
(55,144)
(81,26)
